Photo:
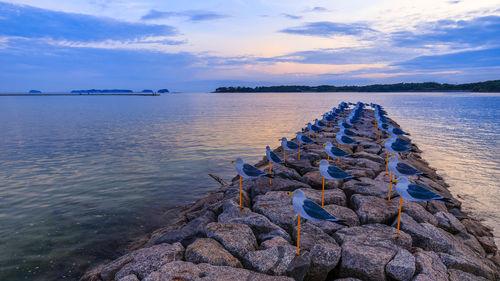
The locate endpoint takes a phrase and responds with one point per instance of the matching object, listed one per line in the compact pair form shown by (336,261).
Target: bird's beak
(317,163)
(396,180)
(234,161)
(291,193)
(324,144)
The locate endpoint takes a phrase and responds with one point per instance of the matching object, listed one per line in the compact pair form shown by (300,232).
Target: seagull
(313,128)
(343,139)
(347,132)
(391,146)
(310,211)
(396,131)
(331,173)
(334,152)
(319,123)
(247,171)
(288,145)
(400,169)
(273,158)
(344,124)
(303,139)
(413,192)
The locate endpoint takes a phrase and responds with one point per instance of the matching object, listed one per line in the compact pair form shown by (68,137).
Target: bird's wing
(292,145)
(398,131)
(422,193)
(306,139)
(252,171)
(402,141)
(275,158)
(399,147)
(337,173)
(338,152)
(347,139)
(315,211)
(407,169)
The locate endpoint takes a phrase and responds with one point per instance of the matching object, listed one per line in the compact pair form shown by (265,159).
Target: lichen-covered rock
(143,261)
(402,266)
(207,250)
(181,270)
(272,261)
(449,222)
(372,209)
(238,239)
(262,227)
(429,267)
(367,249)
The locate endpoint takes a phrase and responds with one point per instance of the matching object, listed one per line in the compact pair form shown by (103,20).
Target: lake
(81,175)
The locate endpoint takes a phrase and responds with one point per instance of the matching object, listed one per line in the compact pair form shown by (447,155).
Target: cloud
(192,15)
(328,29)
(290,16)
(454,1)
(317,9)
(31,22)
(454,33)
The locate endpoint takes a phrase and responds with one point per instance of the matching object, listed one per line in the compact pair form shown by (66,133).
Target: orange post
(240,194)
(387,163)
(390,187)
(298,234)
(323,193)
(299,152)
(399,215)
(270,180)
(284,155)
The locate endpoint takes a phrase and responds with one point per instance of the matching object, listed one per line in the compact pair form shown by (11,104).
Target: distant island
(94,91)
(163,91)
(35,92)
(487,86)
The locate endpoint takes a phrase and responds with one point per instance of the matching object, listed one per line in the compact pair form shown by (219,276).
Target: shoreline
(59,95)
(438,240)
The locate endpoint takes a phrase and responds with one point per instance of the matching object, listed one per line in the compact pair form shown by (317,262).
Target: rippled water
(81,175)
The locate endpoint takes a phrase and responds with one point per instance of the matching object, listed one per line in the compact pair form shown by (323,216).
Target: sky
(198,45)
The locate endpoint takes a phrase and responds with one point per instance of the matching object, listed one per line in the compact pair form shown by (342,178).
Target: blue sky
(196,45)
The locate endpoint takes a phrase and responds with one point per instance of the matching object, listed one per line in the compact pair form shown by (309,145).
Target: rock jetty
(213,239)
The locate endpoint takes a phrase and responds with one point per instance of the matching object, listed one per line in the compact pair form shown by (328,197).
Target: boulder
(402,266)
(332,196)
(339,212)
(181,270)
(429,266)
(418,213)
(273,242)
(370,187)
(298,268)
(475,266)
(367,249)
(238,239)
(142,262)
(471,242)
(372,209)
(131,277)
(476,228)
(488,244)
(315,179)
(262,185)
(272,261)
(370,156)
(207,250)
(449,222)
(458,275)
(360,172)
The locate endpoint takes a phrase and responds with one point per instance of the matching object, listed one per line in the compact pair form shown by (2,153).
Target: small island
(35,92)
(106,91)
(161,91)
(487,86)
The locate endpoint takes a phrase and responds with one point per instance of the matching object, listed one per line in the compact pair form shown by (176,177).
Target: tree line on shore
(487,86)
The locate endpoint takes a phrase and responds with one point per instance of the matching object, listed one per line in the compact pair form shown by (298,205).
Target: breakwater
(214,240)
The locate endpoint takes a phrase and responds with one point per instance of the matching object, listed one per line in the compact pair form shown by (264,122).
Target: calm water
(80,175)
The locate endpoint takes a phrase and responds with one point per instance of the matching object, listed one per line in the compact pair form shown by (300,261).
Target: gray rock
(190,232)
(458,275)
(260,225)
(476,228)
(372,209)
(238,239)
(315,179)
(360,172)
(367,249)
(298,268)
(429,266)
(262,185)
(370,156)
(130,277)
(418,213)
(207,250)
(475,266)
(449,222)
(332,196)
(471,242)
(435,206)
(180,270)
(272,261)
(277,207)
(488,244)
(142,262)
(273,242)
(402,266)
(368,186)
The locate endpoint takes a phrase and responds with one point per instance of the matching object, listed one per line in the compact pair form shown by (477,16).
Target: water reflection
(80,174)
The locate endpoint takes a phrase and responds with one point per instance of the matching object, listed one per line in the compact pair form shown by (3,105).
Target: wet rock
(262,185)
(475,266)
(476,228)
(418,213)
(435,206)
(94,274)
(274,242)
(471,242)
(458,275)
(233,193)
(143,261)
(339,212)
(449,222)
(187,234)
(372,209)
(262,227)
(207,250)
(272,261)
(130,277)
(181,270)
(459,214)
(402,266)
(488,244)
(367,249)
(315,179)
(367,186)
(429,266)
(238,239)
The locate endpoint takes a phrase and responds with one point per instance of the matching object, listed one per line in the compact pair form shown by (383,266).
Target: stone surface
(207,250)
(238,239)
(458,275)
(476,228)
(367,249)
(372,209)
(143,261)
(130,277)
(272,261)
(273,242)
(339,212)
(299,266)
(315,180)
(429,267)
(402,266)
(418,213)
(368,186)
(262,185)
(449,222)
(488,244)
(479,267)
(181,270)
(332,196)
